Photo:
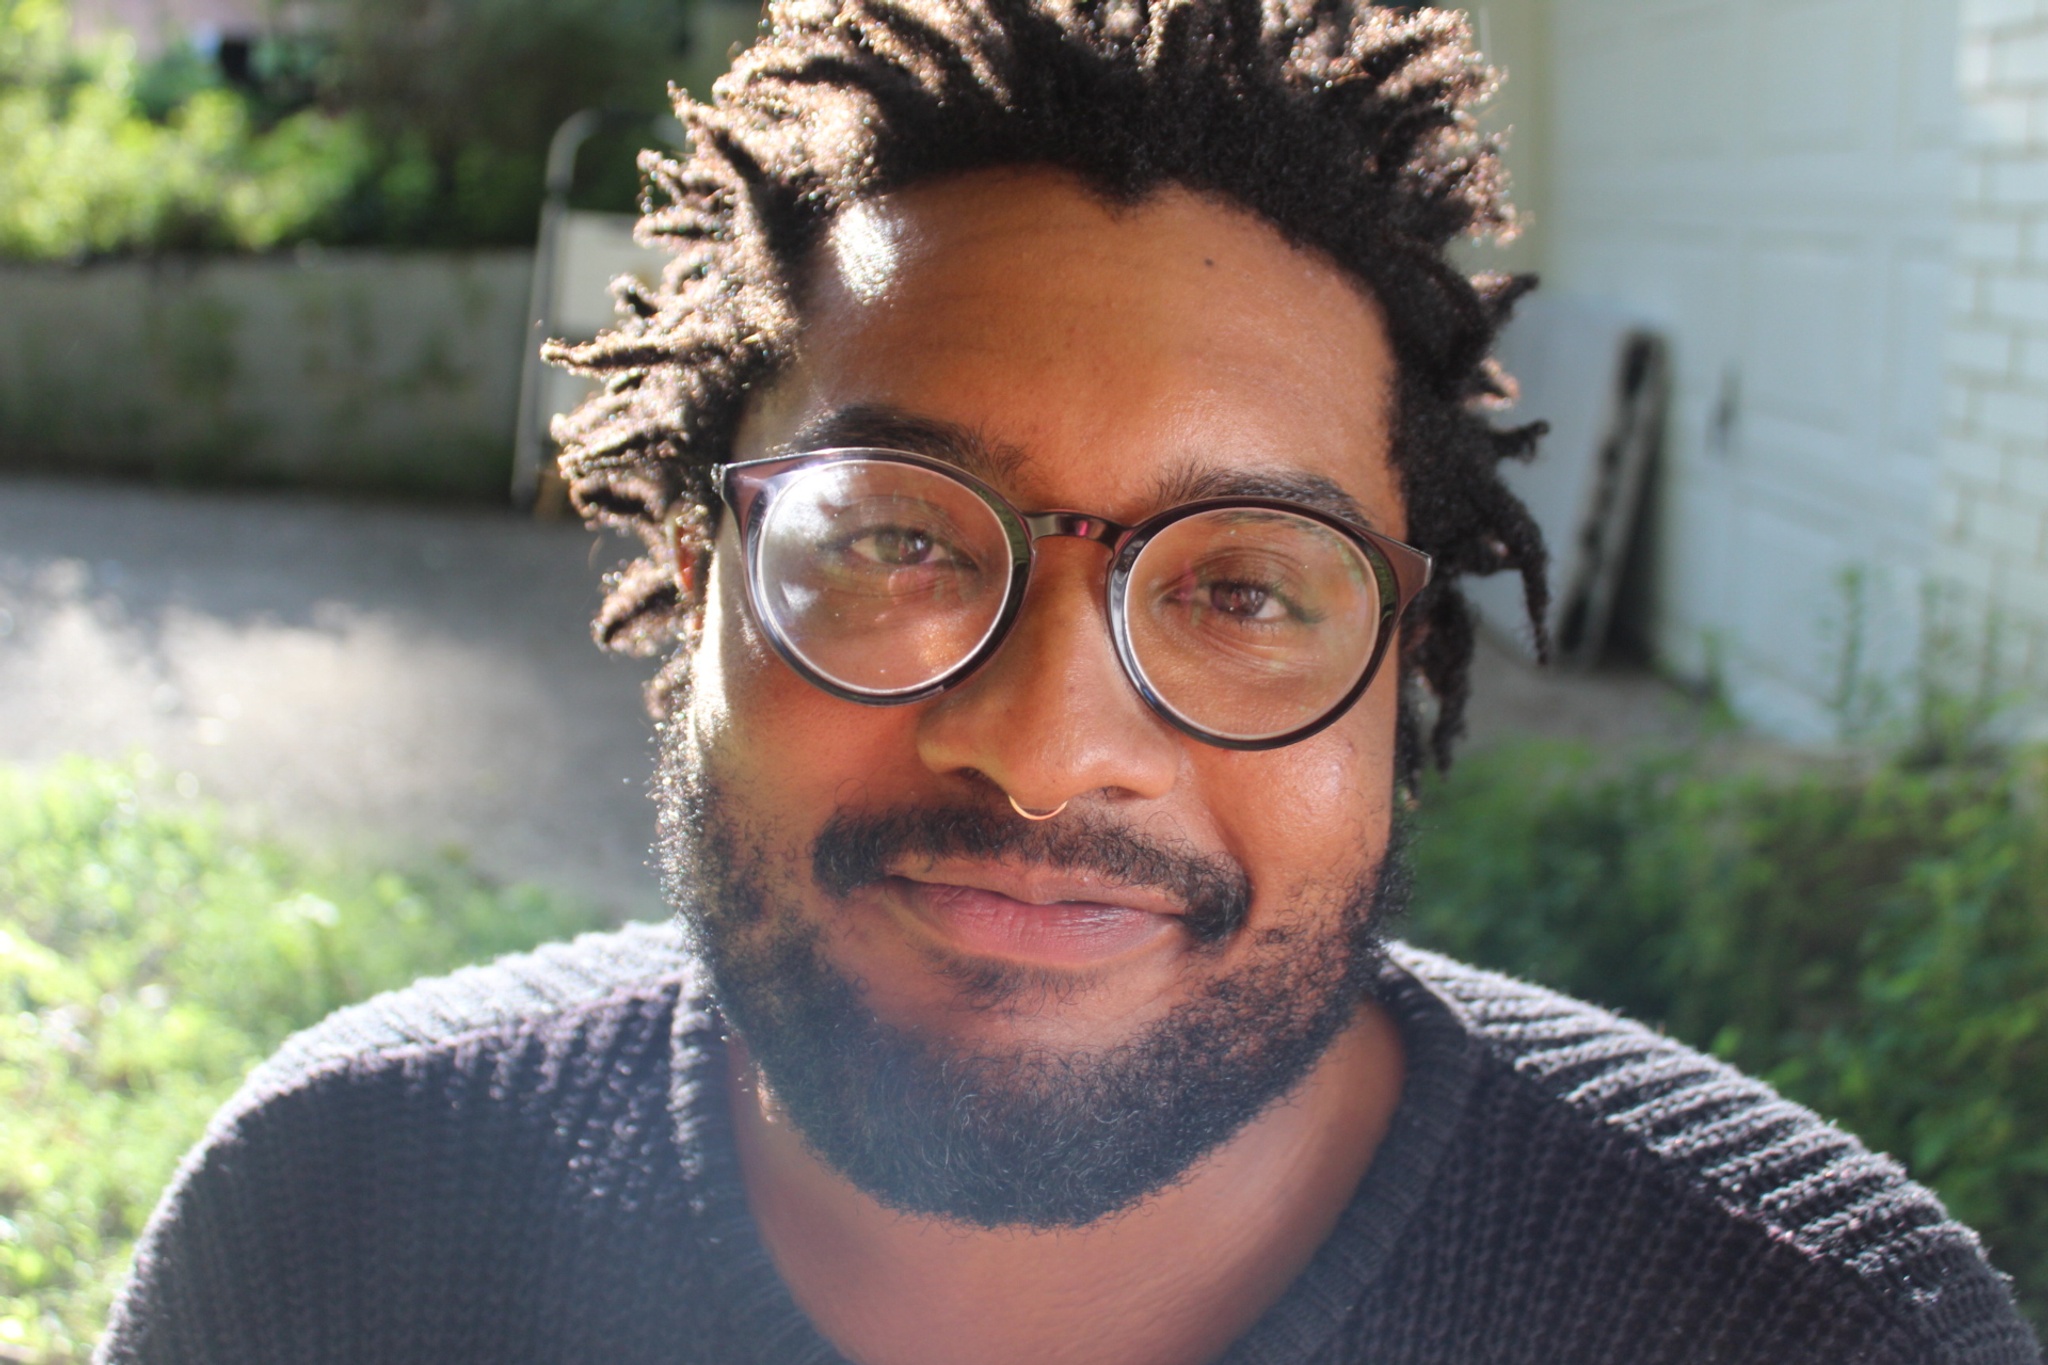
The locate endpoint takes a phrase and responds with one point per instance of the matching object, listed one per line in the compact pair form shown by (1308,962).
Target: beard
(1024,1136)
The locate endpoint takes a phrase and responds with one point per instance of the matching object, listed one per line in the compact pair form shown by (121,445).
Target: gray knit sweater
(532,1162)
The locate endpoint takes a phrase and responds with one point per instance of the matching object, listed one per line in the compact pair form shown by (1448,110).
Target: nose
(1051,717)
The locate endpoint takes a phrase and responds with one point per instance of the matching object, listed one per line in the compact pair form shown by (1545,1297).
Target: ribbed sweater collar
(763,1320)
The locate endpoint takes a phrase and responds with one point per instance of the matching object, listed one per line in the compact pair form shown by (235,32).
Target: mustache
(856,848)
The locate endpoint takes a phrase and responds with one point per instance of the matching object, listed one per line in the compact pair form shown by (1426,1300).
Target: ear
(689,551)
(1413,636)
(689,566)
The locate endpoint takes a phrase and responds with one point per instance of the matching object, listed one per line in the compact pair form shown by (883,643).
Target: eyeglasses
(886,577)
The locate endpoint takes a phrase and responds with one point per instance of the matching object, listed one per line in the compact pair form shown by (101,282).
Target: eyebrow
(890,428)
(1196,480)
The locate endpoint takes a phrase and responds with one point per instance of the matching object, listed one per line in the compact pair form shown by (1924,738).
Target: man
(1056,444)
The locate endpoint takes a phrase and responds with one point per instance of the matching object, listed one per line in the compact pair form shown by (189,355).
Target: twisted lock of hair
(1346,126)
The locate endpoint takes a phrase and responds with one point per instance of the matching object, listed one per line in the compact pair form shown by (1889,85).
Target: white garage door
(1770,180)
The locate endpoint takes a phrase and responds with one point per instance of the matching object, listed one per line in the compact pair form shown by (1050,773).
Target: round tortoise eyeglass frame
(748,487)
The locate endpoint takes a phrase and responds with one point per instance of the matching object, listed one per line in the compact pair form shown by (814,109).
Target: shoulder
(530,1028)
(547,987)
(519,1049)
(374,1187)
(1740,1172)
(1730,1136)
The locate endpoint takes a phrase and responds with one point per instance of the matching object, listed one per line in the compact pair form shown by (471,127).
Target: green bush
(107,155)
(391,123)
(1870,937)
(149,955)
(474,89)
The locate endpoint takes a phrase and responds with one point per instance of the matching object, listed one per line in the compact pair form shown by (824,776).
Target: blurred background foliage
(1867,932)
(373,122)
(151,952)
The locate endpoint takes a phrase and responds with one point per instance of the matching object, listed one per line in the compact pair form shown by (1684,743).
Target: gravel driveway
(407,678)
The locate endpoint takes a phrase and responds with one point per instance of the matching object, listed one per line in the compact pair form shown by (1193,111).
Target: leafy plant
(390,122)
(1869,936)
(106,155)
(475,88)
(149,955)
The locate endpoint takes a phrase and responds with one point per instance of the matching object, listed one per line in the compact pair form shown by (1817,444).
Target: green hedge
(149,955)
(1870,937)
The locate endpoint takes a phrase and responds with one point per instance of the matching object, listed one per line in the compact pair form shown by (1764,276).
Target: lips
(1045,918)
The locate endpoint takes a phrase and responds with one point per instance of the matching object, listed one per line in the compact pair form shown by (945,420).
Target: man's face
(1193,928)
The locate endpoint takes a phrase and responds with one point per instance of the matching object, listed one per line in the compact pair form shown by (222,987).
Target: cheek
(727,655)
(786,750)
(1310,818)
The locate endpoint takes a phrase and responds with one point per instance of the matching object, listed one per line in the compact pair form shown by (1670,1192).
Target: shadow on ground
(411,678)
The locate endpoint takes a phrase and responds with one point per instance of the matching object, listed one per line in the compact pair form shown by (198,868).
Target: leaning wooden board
(1597,374)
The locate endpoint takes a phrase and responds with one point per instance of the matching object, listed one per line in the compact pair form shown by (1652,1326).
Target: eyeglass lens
(1251,623)
(884,577)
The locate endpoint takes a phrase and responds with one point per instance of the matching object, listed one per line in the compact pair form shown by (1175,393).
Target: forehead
(1103,357)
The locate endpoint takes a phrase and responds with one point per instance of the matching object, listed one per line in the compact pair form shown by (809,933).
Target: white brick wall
(1992,535)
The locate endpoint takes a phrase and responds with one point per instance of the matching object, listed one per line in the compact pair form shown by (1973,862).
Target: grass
(150,953)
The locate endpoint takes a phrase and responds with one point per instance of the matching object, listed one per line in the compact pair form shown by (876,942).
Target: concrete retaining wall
(360,370)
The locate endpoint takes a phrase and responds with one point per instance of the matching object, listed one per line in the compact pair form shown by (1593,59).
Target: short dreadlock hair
(1346,126)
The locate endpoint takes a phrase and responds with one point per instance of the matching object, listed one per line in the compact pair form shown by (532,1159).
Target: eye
(900,551)
(901,547)
(1247,592)
(1245,601)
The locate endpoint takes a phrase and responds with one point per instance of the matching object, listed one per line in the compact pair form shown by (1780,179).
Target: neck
(1171,1281)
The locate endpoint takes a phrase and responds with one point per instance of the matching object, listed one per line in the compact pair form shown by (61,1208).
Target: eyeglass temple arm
(1412,571)
(737,487)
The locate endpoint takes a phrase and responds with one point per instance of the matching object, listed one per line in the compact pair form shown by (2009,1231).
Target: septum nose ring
(1036,814)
